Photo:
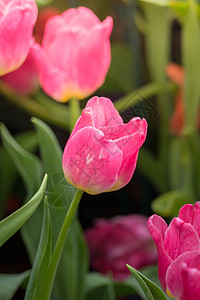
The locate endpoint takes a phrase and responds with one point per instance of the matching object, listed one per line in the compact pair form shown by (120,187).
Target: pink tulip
(101,153)
(75,54)
(25,79)
(121,240)
(17,18)
(178,247)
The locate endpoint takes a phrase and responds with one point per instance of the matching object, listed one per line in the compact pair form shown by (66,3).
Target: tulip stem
(74,107)
(52,268)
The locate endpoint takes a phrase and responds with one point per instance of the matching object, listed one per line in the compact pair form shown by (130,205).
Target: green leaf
(181,165)
(15,221)
(9,283)
(26,163)
(60,192)
(8,176)
(157,2)
(190,51)
(42,259)
(150,289)
(169,204)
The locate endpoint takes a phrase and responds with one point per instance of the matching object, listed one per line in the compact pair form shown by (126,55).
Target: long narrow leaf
(150,289)
(27,164)
(14,222)
(42,259)
(9,283)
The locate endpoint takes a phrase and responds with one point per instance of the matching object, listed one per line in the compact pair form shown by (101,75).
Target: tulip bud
(75,54)
(101,153)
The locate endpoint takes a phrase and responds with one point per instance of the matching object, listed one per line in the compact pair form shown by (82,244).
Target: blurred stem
(190,52)
(34,108)
(74,108)
(52,268)
(141,94)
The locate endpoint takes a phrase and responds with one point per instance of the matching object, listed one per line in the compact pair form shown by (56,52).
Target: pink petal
(104,112)
(196,218)
(90,162)
(117,131)
(16,28)
(85,120)
(180,237)
(130,146)
(51,79)
(25,79)
(191,284)
(157,228)
(186,213)
(93,60)
(81,17)
(53,25)
(191,214)
(174,274)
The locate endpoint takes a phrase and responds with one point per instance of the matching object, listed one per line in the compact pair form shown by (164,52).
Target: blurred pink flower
(75,54)
(25,79)
(101,153)
(178,247)
(17,18)
(121,240)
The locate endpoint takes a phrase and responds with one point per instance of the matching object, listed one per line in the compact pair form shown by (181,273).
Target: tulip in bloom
(178,247)
(121,240)
(75,54)
(17,18)
(101,153)
(25,79)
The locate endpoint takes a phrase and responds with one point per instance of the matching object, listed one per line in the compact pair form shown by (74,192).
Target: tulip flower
(75,54)
(25,79)
(17,18)
(178,248)
(101,153)
(121,240)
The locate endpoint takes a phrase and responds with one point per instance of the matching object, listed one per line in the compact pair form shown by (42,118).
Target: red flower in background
(121,240)
(176,74)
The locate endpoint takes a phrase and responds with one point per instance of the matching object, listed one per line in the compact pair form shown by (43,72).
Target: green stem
(34,108)
(74,107)
(141,94)
(51,271)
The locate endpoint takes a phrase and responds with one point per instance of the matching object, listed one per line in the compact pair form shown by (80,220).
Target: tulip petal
(191,283)
(157,228)
(94,57)
(191,214)
(104,112)
(179,238)
(16,35)
(81,16)
(117,131)
(130,146)
(196,218)
(51,79)
(84,120)
(90,162)
(174,279)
